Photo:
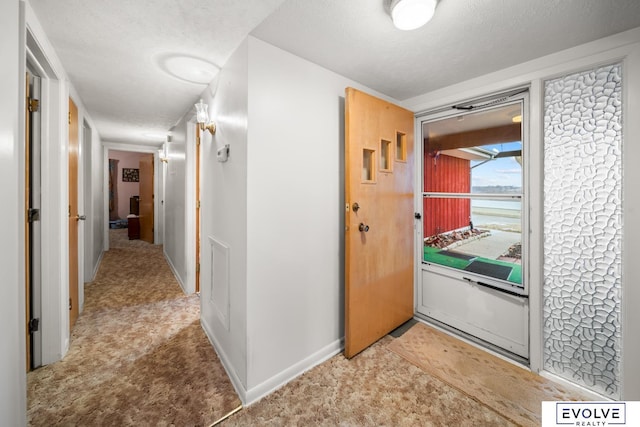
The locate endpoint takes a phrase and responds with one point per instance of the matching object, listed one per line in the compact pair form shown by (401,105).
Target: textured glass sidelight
(583,228)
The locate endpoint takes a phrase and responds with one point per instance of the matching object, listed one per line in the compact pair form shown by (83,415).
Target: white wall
(175,203)
(295,219)
(95,216)
(621,47)
(12,299)
(224,216)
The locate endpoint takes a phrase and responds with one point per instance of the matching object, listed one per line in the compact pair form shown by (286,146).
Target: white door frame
(55,272)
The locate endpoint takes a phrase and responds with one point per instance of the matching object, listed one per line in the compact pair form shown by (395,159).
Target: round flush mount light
(188,68)
(412,14)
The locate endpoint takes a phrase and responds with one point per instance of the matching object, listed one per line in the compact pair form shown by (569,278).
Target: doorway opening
(131,193)
(473,252)
(33,236)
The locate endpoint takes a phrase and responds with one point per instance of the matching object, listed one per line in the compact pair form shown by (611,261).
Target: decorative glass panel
(583,228)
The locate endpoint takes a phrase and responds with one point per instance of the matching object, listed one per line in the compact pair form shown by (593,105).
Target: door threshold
(475,341)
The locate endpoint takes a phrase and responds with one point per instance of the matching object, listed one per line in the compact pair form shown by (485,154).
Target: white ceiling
(119,54)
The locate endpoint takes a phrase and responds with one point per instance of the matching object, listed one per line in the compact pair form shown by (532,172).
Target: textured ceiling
(465,39)
(119,53)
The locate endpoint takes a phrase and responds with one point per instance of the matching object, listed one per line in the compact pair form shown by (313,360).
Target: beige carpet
(514,392)
(137,356)
(375,388)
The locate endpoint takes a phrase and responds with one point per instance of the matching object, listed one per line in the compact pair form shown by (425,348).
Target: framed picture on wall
(130,175)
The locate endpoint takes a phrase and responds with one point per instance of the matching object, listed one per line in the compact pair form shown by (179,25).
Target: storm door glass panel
(472,195)
(583,228)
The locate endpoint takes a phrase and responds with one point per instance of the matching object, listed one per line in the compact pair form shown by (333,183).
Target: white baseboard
(96,267)
(175,272)
(251,396)
(275,382)
(226,363)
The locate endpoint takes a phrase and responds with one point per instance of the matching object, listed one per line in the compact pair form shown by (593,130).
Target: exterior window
(472,195)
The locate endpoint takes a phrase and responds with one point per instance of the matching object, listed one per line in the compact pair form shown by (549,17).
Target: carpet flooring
(375,388)
(421,378)
(137,354)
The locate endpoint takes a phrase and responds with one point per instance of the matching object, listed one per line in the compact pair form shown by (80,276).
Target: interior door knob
(363,227)
(81,217)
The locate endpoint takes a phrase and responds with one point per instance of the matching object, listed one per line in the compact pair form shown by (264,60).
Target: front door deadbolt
(355,207)
(363,227)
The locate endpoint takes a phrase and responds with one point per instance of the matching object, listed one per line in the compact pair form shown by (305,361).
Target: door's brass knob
(363,227)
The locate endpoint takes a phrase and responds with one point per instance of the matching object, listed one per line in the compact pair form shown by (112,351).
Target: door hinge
(34,105)
(198,204)
(198,268)
(69,117)
(70,304)
(34,325)
(33,215)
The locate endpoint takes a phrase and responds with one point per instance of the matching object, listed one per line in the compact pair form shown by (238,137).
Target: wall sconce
(202,117)
(412,14)
(162,153)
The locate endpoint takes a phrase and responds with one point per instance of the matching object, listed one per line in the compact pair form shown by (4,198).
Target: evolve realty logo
(591,413)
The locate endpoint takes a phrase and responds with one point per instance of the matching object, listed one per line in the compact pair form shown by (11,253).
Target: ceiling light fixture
(412,14)
(202,117)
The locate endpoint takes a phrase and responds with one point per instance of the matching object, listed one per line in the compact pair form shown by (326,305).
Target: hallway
(137,356)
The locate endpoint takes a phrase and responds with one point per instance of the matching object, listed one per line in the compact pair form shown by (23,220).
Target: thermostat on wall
(223,153)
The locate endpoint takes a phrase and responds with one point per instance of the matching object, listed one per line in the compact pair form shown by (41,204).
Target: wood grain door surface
(379,219)
(73,213)
(146,197)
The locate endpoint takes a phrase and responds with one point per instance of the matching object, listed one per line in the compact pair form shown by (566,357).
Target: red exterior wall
(451,175)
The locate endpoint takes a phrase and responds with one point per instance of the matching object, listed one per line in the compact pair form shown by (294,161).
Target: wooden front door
(73,213)
(146,198)
(379,220)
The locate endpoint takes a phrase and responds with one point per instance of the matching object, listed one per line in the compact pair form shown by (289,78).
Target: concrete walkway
(491,246)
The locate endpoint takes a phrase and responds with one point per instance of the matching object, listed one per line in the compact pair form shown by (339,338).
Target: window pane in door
(473,192)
